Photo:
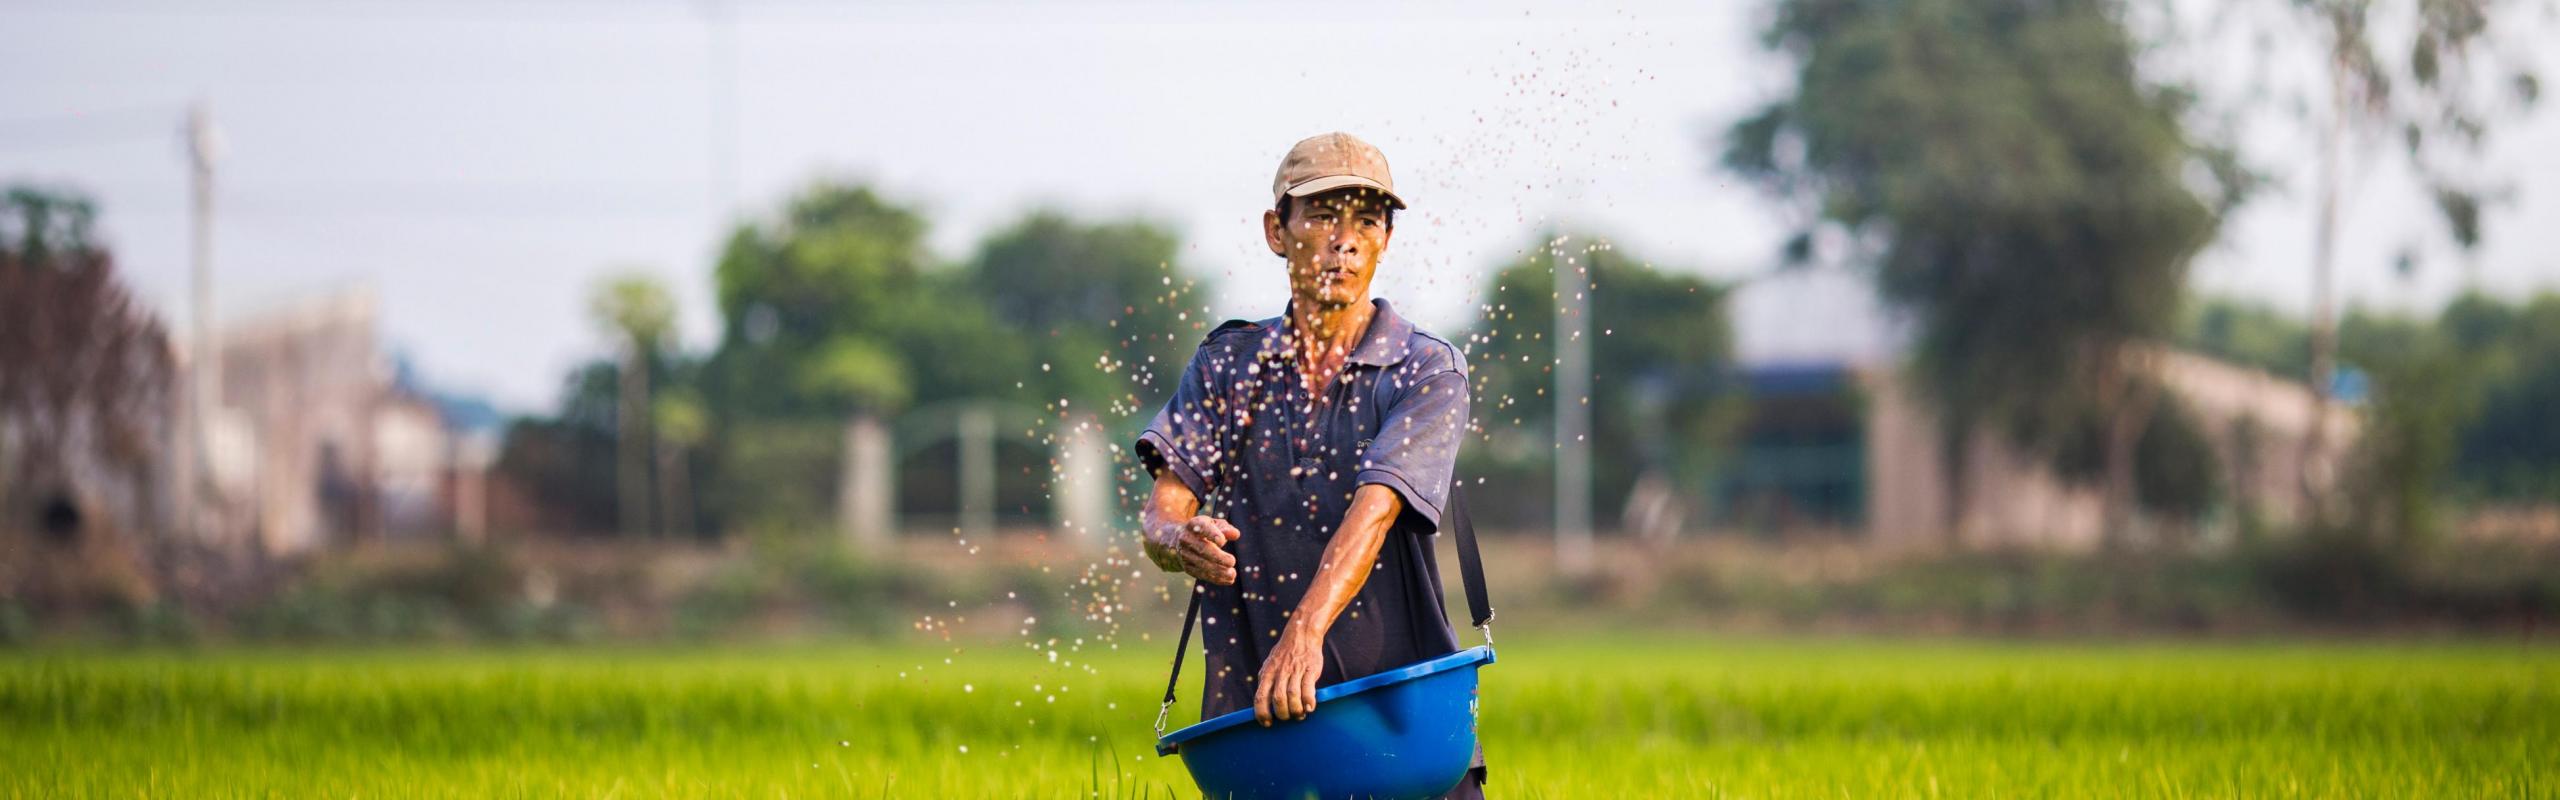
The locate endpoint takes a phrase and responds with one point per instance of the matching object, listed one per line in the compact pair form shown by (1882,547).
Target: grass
(1613,716)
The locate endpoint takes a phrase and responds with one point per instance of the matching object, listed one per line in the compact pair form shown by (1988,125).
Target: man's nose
(1344,243)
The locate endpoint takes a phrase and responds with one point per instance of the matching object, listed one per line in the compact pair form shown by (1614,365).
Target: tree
(2440,99)
(86,392)
(840,273)
(2510,450)
(638,313)
(833,315)
(2015,185)
(2426,389)
(1662,346)
(1101,302)
(681,425)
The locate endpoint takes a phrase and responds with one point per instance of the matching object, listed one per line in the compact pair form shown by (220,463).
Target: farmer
(1326,436)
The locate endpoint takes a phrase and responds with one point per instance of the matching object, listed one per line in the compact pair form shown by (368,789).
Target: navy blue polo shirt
(1243,432)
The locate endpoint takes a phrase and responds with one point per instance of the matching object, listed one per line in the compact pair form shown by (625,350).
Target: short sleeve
(1189,435)
(1416,450)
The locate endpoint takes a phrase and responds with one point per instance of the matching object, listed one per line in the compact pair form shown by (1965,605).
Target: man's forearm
(1168,505)
(1348,559)
(1178,539)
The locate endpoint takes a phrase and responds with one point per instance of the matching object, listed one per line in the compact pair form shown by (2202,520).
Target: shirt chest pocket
(1375,393)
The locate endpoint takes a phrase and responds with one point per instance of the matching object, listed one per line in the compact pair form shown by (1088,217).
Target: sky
(481,165)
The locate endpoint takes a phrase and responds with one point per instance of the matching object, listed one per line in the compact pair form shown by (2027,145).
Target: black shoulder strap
(1453,519)
(1190,619)
(1470,562)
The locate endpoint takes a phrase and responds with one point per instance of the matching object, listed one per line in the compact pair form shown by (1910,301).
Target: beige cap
(1326,162)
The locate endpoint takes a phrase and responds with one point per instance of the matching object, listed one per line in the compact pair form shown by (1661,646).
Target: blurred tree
(816,307)
(2015,184)
(2511,449)
(681,425)
(2425,389)
(1095,301)
(567,462)
(1662,347)
(638,313)
(2440,99)
(838,311)
(87,388)
(85,370)
(842,273)
(856,375)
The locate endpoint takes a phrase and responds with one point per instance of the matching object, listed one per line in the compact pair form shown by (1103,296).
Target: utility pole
(977,470)
(2314,479)
(204,367)
(1573,412)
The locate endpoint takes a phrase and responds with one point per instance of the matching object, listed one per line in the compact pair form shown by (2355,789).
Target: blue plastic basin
(1408,732)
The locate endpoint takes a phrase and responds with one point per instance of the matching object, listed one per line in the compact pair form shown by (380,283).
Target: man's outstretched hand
(1197,547)
(1286,688)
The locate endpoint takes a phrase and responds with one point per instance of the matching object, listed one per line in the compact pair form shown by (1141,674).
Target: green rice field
(1606,716)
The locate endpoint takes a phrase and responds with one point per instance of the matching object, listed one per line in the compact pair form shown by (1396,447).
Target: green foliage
(798,297)
(41,225)
(1661,351)
(1079,292)
(2511,449)
(2177,476)
(679,417)
(837,308)
(855,372)
(635,309)
(2425,389)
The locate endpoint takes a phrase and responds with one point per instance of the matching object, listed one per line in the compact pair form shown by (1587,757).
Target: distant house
(1837,440)
(319,439)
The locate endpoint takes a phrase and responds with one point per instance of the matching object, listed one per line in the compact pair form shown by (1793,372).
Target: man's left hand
(1286,689)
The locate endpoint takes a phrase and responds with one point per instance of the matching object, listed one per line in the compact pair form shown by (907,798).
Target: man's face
(1333,242)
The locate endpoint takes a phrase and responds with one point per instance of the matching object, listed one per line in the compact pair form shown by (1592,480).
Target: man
(1327,437)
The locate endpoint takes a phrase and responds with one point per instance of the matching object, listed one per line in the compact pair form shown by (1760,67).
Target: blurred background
(581,321)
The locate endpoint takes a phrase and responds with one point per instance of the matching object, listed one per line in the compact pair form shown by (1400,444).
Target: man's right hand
(1197,547)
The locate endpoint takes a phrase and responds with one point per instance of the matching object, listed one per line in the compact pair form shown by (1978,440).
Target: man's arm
(1286,688)
(1179,539)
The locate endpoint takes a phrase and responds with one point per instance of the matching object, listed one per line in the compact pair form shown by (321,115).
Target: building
(322,439)
(1837,440)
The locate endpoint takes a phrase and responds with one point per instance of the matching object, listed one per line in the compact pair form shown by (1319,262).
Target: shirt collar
(1387,341)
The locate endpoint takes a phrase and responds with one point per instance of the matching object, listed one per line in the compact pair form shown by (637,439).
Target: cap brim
(1332,182)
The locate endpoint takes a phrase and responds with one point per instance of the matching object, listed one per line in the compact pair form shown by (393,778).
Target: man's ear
(1271,233)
